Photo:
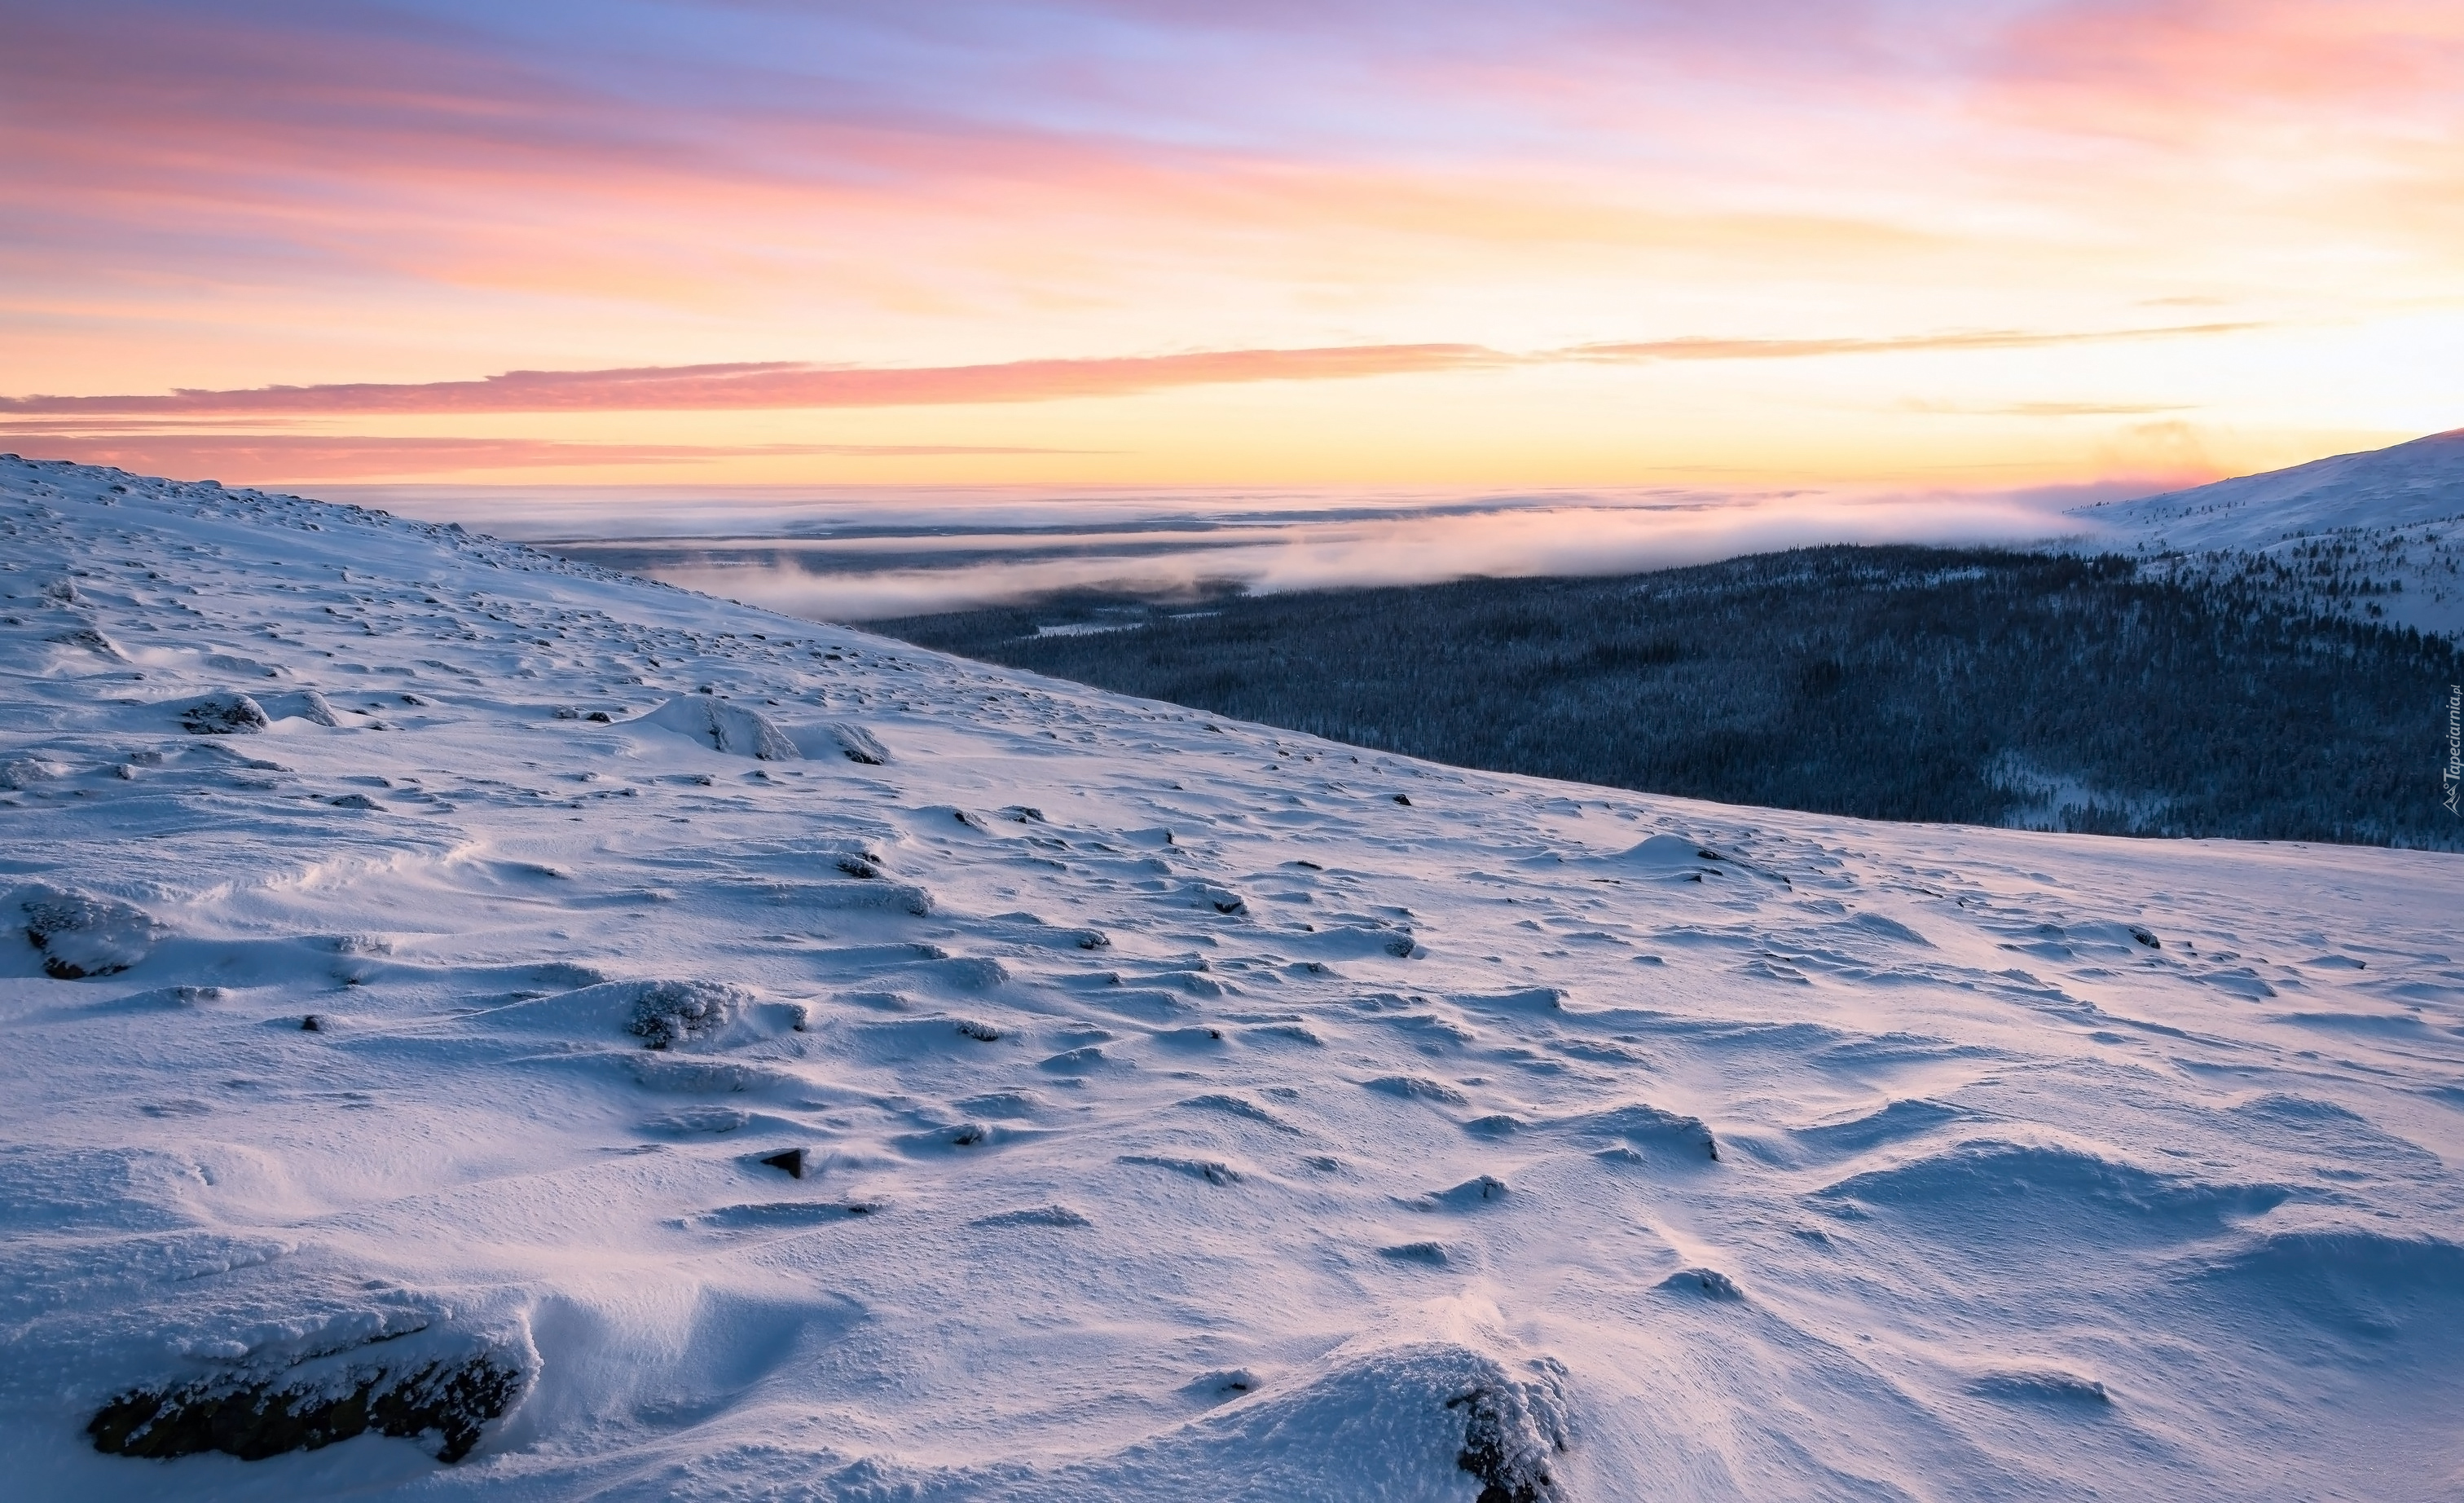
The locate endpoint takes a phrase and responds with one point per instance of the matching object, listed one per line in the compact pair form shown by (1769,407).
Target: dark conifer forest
(1982,687)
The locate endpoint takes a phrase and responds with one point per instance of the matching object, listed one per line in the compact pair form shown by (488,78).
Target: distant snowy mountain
(480,1026)
(2379,534)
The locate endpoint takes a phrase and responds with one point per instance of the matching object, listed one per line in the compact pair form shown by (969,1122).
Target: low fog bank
(843,557)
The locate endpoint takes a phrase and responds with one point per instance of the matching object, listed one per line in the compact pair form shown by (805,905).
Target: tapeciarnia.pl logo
(2453,775)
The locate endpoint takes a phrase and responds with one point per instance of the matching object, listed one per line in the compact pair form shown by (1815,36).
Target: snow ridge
(578,1038)
(2377,534)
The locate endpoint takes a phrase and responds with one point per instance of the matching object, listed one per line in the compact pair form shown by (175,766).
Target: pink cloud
(2269,53)
(784,385)
(290,458)
(796,386)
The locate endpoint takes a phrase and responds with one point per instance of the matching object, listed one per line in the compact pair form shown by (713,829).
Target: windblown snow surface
(755,1060)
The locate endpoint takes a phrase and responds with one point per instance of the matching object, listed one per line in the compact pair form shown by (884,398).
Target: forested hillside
(1984,687)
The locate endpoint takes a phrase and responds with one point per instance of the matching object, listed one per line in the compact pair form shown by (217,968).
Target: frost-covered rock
(88,639)
(305,704)
(1215,895)
(223,715)
(724,727)
(20,773)
(82,936)
(663,1014)
(1513,1433)
(860,745)
(1708,1283)
(1642,1122)
(669,1013)
(1401,1422)
(1670,853)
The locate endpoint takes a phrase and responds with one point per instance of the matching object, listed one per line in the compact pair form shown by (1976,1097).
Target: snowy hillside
(640,1047)
(2379,535)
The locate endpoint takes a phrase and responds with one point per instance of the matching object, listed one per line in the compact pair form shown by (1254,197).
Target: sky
(1946,246)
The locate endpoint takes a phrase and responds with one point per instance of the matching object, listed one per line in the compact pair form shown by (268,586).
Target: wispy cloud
(677,389)
(1702,348)
(788,385)
(2042,409)
(300,458)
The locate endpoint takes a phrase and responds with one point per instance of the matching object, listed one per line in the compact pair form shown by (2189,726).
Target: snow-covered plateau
(2377,534)
(478,1024)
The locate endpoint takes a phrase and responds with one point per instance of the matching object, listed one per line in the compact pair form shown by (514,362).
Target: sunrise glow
(1119,243)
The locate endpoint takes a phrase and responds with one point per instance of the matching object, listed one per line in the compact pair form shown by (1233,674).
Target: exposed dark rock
(2145,938)
(1403,798)
(792,1161)
(309,1411)
(312,1024)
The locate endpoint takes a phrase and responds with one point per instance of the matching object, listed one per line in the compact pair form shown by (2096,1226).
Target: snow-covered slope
(1174,1109)
(2379,534)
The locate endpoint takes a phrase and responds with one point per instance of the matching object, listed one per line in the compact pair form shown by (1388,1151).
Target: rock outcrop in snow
(82,936)
(725,728)
(445,1403)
